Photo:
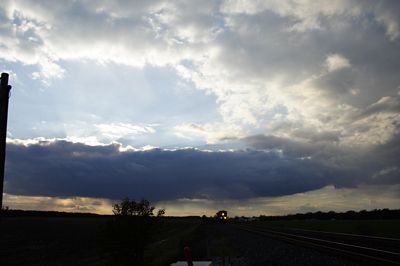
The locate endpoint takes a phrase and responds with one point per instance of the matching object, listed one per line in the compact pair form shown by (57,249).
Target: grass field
(384,228)
(78,240)
(68,240)
(169,240)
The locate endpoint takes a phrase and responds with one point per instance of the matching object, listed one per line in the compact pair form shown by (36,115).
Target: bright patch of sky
(133,106)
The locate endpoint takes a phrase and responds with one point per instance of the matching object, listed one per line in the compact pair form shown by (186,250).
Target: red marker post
(186,251)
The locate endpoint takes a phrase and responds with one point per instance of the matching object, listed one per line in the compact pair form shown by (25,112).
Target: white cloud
(336,62)
(387,14)
(88,140)
(118,130)
(212,133)
(306,13)
(94,133)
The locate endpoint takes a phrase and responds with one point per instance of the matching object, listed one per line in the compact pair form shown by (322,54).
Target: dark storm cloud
(375,164)
(62,168)
(65,169)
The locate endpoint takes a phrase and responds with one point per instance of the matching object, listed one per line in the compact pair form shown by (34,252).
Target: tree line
(349,215)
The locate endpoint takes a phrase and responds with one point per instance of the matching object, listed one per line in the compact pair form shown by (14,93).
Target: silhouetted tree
(132,208)
(129,232)
(160,212)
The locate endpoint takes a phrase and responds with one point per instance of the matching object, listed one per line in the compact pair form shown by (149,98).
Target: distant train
(222,216)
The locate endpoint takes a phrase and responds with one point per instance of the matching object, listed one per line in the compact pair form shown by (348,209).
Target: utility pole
(4,95)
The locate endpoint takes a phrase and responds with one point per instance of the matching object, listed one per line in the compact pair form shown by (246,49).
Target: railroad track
(370,249)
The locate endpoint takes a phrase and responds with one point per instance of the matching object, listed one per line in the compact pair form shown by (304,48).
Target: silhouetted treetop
(132,208)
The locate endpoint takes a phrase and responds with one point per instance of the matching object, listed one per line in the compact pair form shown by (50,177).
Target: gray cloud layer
(277,167)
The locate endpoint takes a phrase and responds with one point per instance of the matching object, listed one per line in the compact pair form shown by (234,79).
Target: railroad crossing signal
(4,96)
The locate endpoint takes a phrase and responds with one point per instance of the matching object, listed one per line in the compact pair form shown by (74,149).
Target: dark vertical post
(4,95)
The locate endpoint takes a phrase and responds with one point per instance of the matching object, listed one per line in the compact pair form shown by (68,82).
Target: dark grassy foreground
(83,241)
(383,228)
(78,240)
(49,240)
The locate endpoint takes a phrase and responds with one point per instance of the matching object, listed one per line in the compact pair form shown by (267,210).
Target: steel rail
(328,241)
(334,246)
(344,234)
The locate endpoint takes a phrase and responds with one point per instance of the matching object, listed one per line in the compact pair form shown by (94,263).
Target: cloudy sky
(258,107)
